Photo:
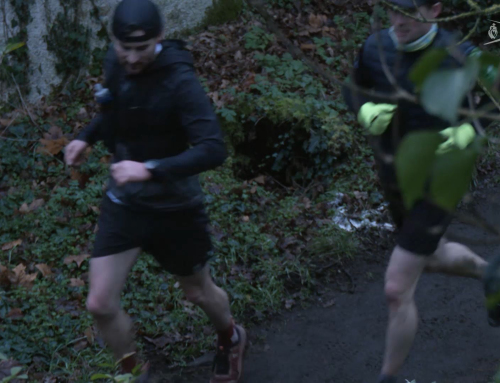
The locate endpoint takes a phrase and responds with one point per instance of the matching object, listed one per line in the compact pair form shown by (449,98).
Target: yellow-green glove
(457,137)
(376,117)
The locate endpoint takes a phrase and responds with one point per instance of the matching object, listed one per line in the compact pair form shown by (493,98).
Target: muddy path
(343,343)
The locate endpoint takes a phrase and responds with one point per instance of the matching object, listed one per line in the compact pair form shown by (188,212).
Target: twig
(389,97)
(471,32)
(420,12)
(275,180)
(490,10)
(475,120)
(22,100)
(17,139)
(383,60)
(8,126)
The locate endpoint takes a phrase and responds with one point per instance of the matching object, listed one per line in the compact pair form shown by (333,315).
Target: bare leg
(402,277)
(201,290)
(107,279)
(456,259)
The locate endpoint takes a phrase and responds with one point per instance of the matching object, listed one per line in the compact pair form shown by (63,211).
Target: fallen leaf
(307,202)
(238,55)
(253,190)
(76,282)
(80,345)
(15,313)
(5,122)
(24,208)
(95,209)
(76,258)
(317,21)
(307,47)
(10,245)
(260,180)
(54,133)
(82,114)
(19,270)
(36,204)
(160,342)
(27,280)
(289,303)
(52,147)
(89,333)
(330,303)
(44,269)
(245,218)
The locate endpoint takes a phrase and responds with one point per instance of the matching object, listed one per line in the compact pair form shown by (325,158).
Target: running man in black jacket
(421,245)
(161,128)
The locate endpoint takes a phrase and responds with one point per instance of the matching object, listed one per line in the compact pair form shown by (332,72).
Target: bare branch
(490,10)
(22,100)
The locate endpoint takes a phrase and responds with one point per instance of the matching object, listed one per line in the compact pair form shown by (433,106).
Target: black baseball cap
(410,4)
(136,15)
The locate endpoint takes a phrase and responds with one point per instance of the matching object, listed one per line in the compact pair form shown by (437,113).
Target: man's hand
(376,117)
(129,171)
(73,154)
(456,137)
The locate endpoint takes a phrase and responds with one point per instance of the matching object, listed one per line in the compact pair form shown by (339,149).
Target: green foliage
(414,158)
(444,91)
(69,41)
(14,374)
(299,132)
(251,222)
(442,178)
(289,4)
(222,11)
(452,174)
(258,39)
(17,65)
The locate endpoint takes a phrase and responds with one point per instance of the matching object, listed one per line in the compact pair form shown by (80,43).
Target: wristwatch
(152,167)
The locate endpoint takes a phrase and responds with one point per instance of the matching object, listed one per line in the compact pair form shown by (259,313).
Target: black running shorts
(180,240)
(419,229)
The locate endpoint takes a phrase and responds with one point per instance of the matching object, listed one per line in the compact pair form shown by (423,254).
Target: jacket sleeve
(361,77)
(201,126)
(94,131)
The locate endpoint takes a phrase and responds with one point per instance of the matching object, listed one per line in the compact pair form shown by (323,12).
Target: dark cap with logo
(136,15)
(410,4)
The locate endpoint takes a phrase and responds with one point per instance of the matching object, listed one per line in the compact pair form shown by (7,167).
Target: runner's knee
(196,295)
(397,296)
(101,305)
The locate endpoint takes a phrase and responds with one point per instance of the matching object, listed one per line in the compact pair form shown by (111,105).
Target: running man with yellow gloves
(421,245)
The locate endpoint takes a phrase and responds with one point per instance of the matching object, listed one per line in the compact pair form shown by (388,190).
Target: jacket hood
(173,52)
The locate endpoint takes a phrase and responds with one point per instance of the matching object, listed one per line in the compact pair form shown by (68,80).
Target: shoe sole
(243,337)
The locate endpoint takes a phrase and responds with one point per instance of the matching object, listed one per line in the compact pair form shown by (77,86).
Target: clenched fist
(129,171)
(73,154)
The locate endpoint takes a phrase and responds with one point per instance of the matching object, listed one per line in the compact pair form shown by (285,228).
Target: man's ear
(160,37)
(436,10)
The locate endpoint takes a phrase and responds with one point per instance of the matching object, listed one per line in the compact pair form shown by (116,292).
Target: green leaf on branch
(452,175)
(489,68)
(12,47)
(444,91)
(427,64)
(413,162)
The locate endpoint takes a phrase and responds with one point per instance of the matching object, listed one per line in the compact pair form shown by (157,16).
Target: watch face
(151,165)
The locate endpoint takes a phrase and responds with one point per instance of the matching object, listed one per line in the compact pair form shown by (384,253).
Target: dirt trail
(344,343)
